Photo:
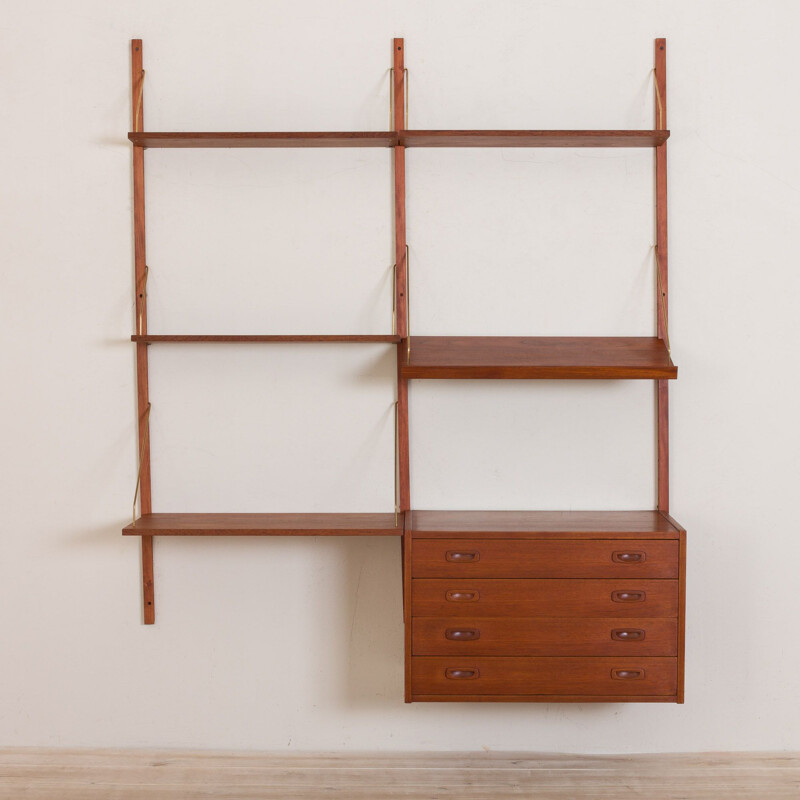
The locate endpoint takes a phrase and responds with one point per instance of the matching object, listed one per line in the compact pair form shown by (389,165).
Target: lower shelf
(266,525)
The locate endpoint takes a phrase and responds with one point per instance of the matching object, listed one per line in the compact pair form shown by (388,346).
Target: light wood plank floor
(42,774)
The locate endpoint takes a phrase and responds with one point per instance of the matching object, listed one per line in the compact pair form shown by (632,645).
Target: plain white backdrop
(284,643)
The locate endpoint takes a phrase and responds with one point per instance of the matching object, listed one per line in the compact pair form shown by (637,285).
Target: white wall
(277,644)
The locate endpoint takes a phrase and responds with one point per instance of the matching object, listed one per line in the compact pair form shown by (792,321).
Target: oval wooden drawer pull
(462,556)
(627,674)
(629,556)
(462,597)
(461,674)
(628,597)
(627,634)
(462,634)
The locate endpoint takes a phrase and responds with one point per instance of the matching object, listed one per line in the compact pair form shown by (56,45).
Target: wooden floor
(134,775)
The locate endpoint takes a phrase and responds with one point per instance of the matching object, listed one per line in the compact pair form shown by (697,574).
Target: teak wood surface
(544,676)
(504,558)
(593,524)
(662,263)
(399,137)
(533,597)
(544,636)
(402,455)
(140,288)
(266,525)
(245,337)
(544,357)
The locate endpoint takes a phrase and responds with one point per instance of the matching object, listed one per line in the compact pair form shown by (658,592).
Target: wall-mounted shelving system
(519,606)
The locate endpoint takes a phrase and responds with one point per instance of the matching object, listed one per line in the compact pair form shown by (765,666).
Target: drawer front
(506,558)
(481,675)
(434,597)
(543,636)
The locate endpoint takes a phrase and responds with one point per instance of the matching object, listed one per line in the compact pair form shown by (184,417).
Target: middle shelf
(543,357)
(482,357)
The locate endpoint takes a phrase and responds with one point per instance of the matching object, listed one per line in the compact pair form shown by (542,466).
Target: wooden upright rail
(142,395)
(662,300)
(401,270)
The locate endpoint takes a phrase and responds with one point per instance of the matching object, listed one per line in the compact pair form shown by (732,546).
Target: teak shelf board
(532,138)
(402,138)
(543,524)
(546,357)
(266,525)
(189,338)
(264,139)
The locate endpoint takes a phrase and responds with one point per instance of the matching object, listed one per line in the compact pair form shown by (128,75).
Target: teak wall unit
(533,606)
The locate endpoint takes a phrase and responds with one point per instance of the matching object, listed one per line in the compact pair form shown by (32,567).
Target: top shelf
(403,138)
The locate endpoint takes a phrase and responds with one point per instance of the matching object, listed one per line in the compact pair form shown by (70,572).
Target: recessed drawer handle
(627,674)
(628,597)
(462,597)
(462,556)
(462,634)
(462,674)
(627,634)
(628,556)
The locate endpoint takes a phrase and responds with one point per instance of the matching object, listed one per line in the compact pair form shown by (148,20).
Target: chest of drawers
(545,607)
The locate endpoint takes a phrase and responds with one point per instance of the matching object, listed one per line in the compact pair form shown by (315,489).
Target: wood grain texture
(542,698)
(543,357)
(682,621)
(234,338)
(140,282)
(399,137)
(93,774)
(592,524)
(177,139)
(544,636)
(508,558)
(411,138)
(266,525)
(398,84)
(440,597)
(662,242)
(544,676)
(401,276)
(408,553)
(662,456)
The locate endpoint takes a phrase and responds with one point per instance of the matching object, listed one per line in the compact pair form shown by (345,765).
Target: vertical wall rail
(142,390)
(401,271)
(662,262)
(401,317)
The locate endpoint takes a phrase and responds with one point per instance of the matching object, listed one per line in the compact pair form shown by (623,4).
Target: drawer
(435,597)
(569,558)
(594,677)
(543,636)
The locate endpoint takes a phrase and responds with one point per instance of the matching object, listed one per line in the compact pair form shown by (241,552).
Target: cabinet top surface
(580,523)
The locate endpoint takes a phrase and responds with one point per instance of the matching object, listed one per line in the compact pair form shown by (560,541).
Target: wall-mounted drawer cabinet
(535,612)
